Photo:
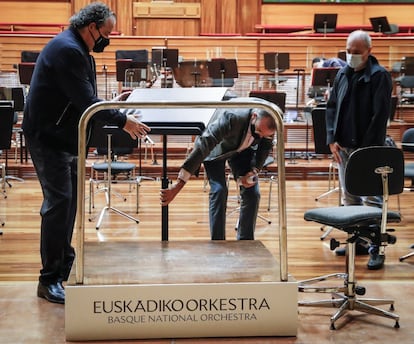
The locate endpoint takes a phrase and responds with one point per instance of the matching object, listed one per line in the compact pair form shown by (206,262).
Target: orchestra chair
(407,145)
(6,130)
(112,142)
(7,118)
(321,147)
(370,171)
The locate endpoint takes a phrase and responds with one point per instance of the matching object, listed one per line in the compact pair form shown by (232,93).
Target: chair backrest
(121,141)
(407,140)
(361,178)
(319,130)
(6,124)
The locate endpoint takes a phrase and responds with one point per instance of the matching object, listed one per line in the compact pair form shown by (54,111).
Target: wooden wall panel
(247,50)
(35,12)
(348,14)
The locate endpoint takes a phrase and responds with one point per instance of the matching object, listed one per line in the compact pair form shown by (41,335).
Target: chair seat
(116,167)
(349,216)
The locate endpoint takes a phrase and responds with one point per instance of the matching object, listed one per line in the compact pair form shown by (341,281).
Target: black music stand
(175,122)
(223,71)
(278,98)
(324,76)
(123,64)
(276,63)
(165,60)
(25,72)
(380,24)
(324,22)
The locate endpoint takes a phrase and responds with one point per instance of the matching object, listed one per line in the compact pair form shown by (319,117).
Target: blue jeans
(249,201)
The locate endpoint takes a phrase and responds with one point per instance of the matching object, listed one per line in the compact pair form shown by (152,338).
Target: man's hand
(123,96)
(167,195)
(335,148)
(135,128)
(248,180)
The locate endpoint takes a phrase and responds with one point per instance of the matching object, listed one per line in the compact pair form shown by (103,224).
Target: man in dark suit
(243,138)
(63,86)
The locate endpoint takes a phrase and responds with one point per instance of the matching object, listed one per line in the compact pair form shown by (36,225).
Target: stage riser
(181,311)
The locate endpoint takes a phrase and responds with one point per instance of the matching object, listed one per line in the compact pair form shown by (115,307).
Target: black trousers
(57,173)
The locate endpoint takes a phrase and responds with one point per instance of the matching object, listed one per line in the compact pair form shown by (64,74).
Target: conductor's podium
(179,289)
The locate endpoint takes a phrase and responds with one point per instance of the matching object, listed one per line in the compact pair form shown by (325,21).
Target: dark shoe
(376,261)
(360,250)
(51,292)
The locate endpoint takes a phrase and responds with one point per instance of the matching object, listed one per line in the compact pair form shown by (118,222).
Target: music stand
(380,24)
(278,98)
(325,22)
(165,60)
(25,72)
(324,76)
(223,69)
(276,63)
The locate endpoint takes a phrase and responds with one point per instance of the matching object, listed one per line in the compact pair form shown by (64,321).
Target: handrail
(89,112)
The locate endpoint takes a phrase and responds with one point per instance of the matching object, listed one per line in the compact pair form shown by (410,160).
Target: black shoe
(376,261)
(51,292)
(360,250)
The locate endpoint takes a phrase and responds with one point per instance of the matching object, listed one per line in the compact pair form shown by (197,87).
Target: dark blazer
(224,134)
(373,106)
(63,86)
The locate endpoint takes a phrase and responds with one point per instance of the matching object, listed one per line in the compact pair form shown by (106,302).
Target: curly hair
(96,12)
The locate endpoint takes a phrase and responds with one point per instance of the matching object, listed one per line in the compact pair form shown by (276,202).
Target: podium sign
(181,311)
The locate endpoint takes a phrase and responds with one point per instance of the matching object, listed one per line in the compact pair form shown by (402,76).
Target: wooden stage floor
(24,318)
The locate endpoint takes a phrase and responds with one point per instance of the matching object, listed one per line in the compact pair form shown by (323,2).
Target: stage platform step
(179,289)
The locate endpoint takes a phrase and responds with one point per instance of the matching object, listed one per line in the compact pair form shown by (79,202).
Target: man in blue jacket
(357,113)
(63,86)
(243,138)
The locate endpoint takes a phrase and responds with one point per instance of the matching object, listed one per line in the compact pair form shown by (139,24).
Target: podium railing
(93,109)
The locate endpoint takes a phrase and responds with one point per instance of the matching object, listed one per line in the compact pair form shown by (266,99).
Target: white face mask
(354,60)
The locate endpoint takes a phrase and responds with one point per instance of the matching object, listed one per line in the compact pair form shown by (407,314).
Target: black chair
(113,143)
(407,145)
(6,130)
(370,171)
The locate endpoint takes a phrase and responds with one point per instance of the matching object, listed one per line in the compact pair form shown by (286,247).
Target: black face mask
(100,44)
(253,131)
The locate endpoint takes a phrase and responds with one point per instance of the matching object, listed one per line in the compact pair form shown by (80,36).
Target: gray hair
(359,35)
(96,12)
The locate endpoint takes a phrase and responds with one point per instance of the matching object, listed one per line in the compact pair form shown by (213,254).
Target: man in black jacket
(357,113)
(63,86)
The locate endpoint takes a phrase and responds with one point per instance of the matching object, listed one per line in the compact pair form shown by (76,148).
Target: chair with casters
(319,137)
(407,145)
(112,142)
(370,171)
